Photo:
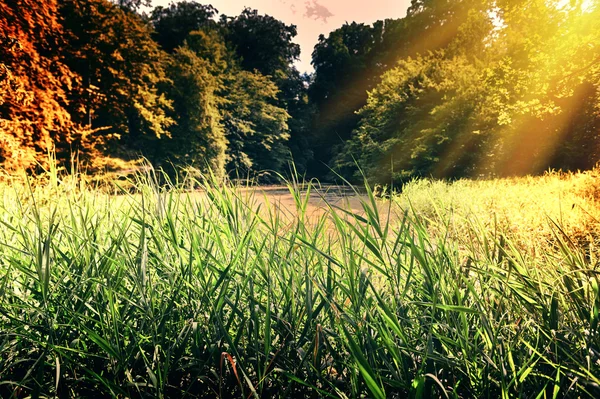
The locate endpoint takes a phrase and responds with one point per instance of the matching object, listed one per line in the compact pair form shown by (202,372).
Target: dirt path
(280,198)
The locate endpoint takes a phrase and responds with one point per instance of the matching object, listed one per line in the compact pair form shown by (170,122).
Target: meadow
(465,289)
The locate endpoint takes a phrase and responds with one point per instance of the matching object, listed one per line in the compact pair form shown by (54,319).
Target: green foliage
(174,23)
(96,80)
(264,45)
(423,111)
(256,127)
(294,92)
(513,91)
(456,88)
(121,69)
(171,294)
(233,95)
(262,42)
(227,118)
(198,140)
(349,62)
(344,72)
(132,4)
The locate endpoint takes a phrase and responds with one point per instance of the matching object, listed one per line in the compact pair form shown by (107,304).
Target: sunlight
(538,128)
(588,5)
(584,6)
(187,214)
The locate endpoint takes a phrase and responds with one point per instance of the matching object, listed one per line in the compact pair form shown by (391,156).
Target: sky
(312,17)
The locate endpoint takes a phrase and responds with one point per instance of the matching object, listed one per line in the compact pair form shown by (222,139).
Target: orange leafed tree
(34,83)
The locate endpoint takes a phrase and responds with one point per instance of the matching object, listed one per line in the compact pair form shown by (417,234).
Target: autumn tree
(35,82)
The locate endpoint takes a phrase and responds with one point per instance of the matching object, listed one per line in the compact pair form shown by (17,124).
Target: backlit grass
(452,291)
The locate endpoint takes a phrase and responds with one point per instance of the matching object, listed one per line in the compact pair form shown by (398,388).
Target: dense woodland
(457,88)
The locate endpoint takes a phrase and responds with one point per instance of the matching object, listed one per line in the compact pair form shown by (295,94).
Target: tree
(121,69)
(301,112)
(423,119)
(262,43)
(256,127)
(198,140)
(132,5)
(351,60)
(512,95)
(174,23)
(265,45)
(244,104)
(343,74)
(35,81)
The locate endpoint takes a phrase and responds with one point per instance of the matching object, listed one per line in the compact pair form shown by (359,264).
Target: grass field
(471,289)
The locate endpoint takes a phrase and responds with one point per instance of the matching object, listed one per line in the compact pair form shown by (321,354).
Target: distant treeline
(456,88)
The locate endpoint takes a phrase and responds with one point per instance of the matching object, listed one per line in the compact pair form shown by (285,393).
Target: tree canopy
(173,24)
(456,88)
(120,69)
(504,95)
(262,42)
(34,83)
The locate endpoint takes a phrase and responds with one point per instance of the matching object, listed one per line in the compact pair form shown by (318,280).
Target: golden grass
(524,209)
(160,283)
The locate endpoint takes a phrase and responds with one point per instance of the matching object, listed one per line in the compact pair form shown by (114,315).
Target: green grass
(169,294)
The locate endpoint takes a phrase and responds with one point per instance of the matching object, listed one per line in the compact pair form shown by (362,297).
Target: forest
(184,214)
(465,88)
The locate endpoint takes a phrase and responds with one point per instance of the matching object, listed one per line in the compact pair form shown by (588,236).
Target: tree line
(456,88)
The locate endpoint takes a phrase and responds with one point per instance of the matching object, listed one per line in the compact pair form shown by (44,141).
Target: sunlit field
(462,290)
